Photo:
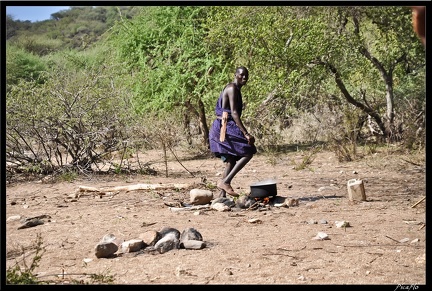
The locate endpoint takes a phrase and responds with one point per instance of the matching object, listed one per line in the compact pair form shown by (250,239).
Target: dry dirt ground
(385,243)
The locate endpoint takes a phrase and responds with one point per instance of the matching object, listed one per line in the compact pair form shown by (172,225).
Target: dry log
(198,207)
(133,187)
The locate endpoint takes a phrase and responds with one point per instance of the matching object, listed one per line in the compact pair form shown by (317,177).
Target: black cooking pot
(263,189)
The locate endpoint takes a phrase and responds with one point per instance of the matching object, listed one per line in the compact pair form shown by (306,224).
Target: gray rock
(279,199)
(190,234)
(166,230)
(31,223)
(244,202)
(193,244)
(227,201)
(108,238)
(168,242)
(105,249)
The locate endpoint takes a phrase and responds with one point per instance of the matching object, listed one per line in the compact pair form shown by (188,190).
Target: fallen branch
(198,207)
(175,156)
(279,254)
(371,261)
(253,205)
(412,163)
(415,204)
(392,238)
(286,249)
(134,187)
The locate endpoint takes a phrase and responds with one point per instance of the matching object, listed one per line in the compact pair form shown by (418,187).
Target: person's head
(241,75)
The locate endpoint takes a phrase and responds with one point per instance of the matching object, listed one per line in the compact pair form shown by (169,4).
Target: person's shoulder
(229,87)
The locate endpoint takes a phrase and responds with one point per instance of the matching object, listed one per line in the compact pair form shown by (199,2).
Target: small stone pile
(162,241)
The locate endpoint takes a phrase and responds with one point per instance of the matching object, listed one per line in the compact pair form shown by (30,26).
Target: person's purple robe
(235,143)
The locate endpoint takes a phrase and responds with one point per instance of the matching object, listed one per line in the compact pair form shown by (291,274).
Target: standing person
(228,137)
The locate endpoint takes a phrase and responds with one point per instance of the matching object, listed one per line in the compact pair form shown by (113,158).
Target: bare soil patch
(385,243)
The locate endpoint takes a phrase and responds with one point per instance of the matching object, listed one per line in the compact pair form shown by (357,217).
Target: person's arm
(233,97)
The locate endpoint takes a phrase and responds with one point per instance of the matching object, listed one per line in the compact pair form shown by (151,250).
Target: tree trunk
(200,113)
(203,123)
(186,125)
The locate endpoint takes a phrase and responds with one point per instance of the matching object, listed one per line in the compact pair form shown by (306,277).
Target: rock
(150,237)
(167,230)
(107,246)
(244,201)
(131,246)
(293,202)
(193,244)
(199,212)
(13,218)
(168,242)
(342,223)
(200,196)
(279,199)
(221,207)
(34,221)
(321,236)
(190,234)
(31,223)
(227,201)
(105,249)
(255,220)
(108,238)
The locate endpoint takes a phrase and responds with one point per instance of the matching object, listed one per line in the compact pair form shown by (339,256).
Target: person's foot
(227,188)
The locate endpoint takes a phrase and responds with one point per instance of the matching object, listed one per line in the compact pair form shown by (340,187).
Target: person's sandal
(227,187)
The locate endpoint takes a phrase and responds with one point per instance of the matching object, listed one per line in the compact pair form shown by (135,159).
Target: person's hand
(251,139)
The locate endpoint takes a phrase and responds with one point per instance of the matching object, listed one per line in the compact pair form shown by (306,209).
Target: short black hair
(241,68)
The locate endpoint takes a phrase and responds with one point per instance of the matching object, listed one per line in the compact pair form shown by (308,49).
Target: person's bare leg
(235,168)
(231,169)
(228,167)
(229,164)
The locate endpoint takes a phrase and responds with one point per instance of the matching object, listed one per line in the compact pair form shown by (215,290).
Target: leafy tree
(164,47)
(302,56)
(383,41)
